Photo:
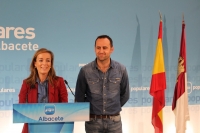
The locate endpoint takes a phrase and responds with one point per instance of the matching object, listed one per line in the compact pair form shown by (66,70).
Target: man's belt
(102,116)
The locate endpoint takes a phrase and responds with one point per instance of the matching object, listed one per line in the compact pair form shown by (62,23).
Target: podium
(50,117)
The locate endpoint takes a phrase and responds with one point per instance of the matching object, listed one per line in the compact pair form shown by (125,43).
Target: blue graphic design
(63,127)
(49,109)
(70,33)
(65,112)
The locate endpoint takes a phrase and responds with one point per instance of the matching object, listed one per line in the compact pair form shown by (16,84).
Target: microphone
(69,87)
(31,87)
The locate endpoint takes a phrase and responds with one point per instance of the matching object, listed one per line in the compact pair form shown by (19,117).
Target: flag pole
(158,84)
(160,15)
(180,99)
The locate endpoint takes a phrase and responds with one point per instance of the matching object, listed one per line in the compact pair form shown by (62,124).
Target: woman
(42,85)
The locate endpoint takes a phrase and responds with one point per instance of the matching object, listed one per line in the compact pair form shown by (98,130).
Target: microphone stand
(69,88)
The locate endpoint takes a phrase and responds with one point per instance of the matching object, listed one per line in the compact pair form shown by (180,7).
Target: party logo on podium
(49,109)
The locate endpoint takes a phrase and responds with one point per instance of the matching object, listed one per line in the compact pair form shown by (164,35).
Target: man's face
(103,49)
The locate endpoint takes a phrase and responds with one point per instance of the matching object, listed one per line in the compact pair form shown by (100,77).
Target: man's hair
(104,36)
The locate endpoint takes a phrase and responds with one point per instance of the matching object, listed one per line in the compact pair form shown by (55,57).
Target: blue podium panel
(61,127)
(50,112)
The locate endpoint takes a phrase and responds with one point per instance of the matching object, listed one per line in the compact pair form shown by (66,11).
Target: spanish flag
(180,100)
(158,85)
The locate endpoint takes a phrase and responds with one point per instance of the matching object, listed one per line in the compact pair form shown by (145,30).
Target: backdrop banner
(69,29)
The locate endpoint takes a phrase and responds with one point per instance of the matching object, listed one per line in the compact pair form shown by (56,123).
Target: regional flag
(180,99)
(158,85)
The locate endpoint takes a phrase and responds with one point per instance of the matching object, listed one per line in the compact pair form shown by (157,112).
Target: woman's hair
(31,80)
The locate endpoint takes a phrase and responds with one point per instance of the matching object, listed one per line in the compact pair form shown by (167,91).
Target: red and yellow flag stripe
(158,85)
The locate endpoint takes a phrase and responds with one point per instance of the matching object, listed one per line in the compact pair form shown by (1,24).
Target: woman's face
(43,64)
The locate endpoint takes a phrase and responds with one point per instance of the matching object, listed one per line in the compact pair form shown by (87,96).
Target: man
(104,83)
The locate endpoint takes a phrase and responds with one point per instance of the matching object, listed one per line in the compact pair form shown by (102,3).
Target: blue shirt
(42,91)
(107,92)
